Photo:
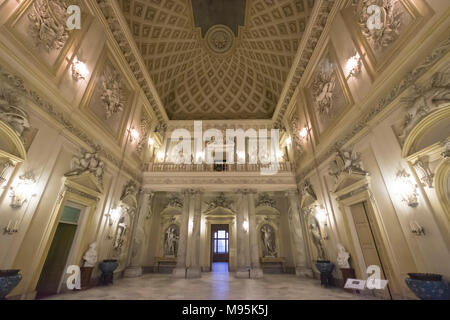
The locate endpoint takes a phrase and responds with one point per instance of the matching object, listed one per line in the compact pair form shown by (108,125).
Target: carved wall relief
(346,162)
(424,100)
(110,97)
(87,162)
(48,24)
(329,95)
(11,113)
(385,29)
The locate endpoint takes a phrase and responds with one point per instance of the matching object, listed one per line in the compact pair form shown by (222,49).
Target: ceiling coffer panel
(195,82)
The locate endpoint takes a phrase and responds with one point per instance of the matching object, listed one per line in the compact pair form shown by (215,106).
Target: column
(255,269)
(194,270)
(242,268)
(298,242)
(134,268)
(180,269)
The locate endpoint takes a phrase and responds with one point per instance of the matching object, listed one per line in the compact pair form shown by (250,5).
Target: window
(220,241)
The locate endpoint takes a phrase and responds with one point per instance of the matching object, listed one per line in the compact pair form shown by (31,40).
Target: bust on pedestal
(342,260)
(90,259)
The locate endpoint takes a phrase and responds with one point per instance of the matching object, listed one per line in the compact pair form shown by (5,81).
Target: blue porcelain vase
(324,266)
(108,266)
(428,286)
(9,279)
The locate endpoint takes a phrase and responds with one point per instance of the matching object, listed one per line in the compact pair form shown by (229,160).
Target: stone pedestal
(179,273)
(132,272)
(86,277)
(193,272)
(256,273)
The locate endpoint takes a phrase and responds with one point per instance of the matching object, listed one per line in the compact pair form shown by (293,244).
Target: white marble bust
(343,257)
(90,257)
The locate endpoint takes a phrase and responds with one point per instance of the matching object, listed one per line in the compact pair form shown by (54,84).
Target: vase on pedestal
(107,267)
(9,279)
(86,273)
(428,286)
(326,268)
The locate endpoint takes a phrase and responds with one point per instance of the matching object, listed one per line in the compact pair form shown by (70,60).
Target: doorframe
(211,240)
(385,252)
(230,221)
(73,192)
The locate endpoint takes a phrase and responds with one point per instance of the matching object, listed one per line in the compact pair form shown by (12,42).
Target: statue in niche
(88,162)
(343,257)
(11,114)
(171,238)
(120,235)
(90,257)
(268,241)
(316,236)
(130,189)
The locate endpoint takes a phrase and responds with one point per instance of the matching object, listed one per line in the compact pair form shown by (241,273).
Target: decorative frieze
(265,200)
(220,201)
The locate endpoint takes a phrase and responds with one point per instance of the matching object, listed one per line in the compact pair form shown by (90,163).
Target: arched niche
(442,184)
(429,131)
(11,146)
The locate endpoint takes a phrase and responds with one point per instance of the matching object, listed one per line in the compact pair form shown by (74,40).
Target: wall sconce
(151,141)
(10,229)
(288,141)
(201,155)
(322,215)
(79,70)
(134,134)
(23,190)
(416,228)
(353,66)
(303,133)
(406,189)
(160,156)
(245,225)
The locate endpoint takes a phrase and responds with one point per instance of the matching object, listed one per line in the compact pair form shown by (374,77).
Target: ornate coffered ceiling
(222,77)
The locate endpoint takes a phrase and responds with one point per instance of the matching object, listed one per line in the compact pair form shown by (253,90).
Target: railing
(219,167)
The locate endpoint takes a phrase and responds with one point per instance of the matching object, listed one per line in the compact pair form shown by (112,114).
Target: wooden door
(367,236)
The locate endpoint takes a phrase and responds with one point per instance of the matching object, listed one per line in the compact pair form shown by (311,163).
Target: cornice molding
(321,17)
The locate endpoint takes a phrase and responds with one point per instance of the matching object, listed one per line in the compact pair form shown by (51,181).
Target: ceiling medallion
(219,39)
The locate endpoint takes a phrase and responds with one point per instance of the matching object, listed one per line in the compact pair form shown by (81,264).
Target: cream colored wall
(54,146)
(381,155)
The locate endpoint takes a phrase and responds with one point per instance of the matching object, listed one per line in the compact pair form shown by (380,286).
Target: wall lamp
(23,190)
(406,189)
(353,66)
(79,70)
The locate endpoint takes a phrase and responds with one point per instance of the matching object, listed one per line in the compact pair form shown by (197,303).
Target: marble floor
(216,285)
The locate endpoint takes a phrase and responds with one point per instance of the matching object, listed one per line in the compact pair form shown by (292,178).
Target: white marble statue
(171,241)
(90,257)
(268,240)
(343,257)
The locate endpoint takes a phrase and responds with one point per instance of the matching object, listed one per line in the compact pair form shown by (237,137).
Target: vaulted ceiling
(214,74)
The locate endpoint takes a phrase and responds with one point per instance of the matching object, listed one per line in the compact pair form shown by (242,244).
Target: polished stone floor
(216,285)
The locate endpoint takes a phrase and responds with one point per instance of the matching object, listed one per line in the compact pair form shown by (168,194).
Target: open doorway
(61,246)
(220,248)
